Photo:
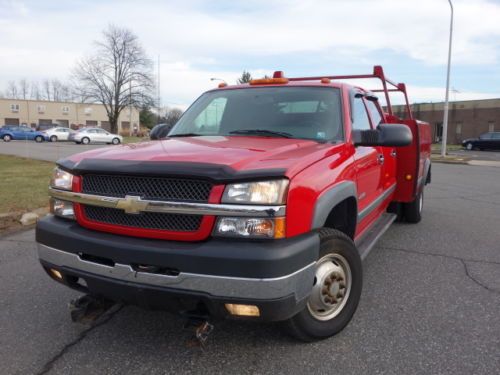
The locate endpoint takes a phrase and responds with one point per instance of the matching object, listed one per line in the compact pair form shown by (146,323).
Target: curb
(9,220)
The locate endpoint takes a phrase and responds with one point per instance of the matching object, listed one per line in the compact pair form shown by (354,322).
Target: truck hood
(236,152)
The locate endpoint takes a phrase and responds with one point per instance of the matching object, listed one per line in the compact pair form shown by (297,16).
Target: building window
(491,126)
(14,107)
(65,109)
(41,109)
(88,111)
(90,123)
(125,125)
(458,128)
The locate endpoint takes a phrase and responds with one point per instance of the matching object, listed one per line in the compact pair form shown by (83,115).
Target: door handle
(381,159)
(393,153)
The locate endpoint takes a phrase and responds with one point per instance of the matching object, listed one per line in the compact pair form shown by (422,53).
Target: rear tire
(53,138)
(336,290)
(38,139)
(85,140)
(7,138)
(413,210)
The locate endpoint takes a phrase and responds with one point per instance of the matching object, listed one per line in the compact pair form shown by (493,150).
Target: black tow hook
(87,309)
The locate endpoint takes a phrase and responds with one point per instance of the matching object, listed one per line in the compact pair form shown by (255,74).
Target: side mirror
(159,131)
(390,135)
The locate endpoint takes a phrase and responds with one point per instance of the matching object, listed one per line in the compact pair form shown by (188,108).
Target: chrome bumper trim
(298,283)
(133,205)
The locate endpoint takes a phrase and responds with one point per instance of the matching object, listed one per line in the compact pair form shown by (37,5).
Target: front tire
(85,140)
(116,141)
(336,291)
(469,146)
(413,210)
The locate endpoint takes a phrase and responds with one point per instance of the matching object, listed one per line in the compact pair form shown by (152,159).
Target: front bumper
(277,276)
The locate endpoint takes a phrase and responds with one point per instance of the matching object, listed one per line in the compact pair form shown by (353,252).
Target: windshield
(291,112)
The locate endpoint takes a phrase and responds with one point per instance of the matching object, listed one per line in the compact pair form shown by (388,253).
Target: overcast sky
(197,40)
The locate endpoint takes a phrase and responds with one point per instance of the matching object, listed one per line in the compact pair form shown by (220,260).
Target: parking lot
(430,304)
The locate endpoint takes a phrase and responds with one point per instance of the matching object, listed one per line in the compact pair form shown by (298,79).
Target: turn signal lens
(408,177)
(250,227)
(56,274)
(242,310)
(62,208)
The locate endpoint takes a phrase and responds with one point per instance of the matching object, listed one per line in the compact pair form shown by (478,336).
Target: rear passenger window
(359,115)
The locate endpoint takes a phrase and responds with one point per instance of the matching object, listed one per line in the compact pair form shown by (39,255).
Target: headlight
(250,227)
(262,192)
(62,208)
(61,179)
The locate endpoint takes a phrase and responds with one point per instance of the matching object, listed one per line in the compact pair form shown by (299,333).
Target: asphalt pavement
(430,305)
(48,151)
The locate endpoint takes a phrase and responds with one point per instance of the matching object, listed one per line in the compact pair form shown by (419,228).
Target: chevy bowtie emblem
(132,204)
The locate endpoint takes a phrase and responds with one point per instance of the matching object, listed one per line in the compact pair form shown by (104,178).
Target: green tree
(245,77)
(147,118)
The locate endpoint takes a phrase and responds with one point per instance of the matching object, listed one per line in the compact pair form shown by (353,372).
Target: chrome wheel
(332,287)
(469,146)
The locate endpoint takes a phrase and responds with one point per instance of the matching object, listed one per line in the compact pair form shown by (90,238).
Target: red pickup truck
(259,204)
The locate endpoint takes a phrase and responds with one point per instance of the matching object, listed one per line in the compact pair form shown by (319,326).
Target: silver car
(58,134)
(95,135)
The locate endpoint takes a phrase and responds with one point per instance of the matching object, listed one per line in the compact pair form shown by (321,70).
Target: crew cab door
(368,165)
(387,155)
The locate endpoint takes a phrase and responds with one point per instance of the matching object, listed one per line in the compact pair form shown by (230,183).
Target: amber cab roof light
(278,78)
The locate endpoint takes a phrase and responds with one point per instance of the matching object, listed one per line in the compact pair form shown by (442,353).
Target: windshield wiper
(262,132)
(185,135)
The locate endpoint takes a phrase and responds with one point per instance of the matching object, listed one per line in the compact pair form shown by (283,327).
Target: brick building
(466,119)
(68,114)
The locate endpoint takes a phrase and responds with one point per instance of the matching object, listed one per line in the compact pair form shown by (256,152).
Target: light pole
(445,119)
(218,79)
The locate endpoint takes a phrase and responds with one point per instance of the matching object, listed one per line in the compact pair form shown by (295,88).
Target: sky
(197,40)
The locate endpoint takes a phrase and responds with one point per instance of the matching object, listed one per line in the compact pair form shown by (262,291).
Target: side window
(359,115)
(496,135)
(208,121)
(374,113)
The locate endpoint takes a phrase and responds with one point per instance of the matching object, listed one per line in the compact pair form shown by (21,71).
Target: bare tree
(12,92)
(172,115)
(35,91)
(46,89)
(118,75)
(24,88)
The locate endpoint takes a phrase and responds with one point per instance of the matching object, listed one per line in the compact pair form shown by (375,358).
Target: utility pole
(159,99)
(446,101)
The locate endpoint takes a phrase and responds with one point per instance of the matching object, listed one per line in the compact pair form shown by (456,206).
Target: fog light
(62,208)
(56,274)
(242,310)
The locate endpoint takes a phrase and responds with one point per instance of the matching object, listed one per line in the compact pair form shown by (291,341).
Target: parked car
(486,141)
(43,127)
(264,215)
(21,133)
(95,135)
(58,134)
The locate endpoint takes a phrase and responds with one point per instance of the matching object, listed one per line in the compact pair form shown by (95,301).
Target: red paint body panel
(312,167)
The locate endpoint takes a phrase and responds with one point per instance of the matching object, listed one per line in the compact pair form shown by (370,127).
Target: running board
(370,238)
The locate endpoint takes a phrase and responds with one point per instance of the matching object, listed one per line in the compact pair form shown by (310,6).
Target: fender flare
(329,198)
